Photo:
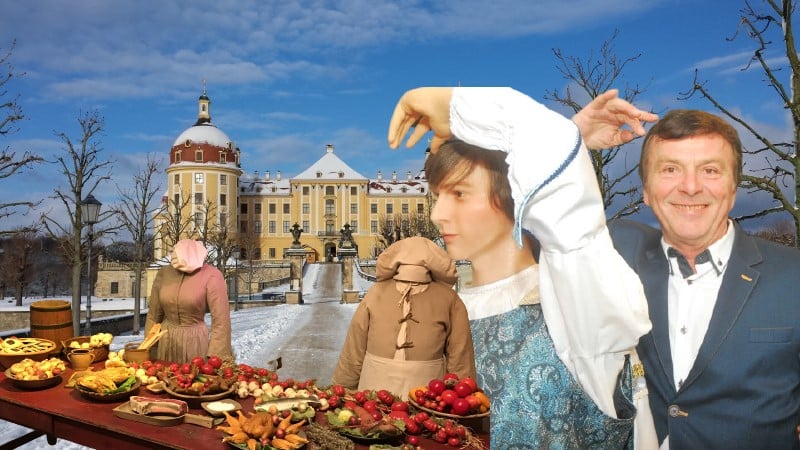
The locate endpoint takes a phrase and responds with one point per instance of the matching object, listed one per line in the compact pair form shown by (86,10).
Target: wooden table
(62,413)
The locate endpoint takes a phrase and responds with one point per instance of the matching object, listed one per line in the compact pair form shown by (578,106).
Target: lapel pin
(746,278)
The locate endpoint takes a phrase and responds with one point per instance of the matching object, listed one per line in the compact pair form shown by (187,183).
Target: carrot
(295,427)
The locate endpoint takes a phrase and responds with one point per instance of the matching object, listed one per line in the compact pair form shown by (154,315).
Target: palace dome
(205,133)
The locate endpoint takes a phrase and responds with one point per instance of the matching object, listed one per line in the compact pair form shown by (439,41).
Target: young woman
(552,340)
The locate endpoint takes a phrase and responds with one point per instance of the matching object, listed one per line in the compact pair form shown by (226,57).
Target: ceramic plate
(217,407)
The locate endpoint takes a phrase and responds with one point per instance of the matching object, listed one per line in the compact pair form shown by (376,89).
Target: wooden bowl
(33,384)
(98,397)
(100,353)
(449,416)
(195,401)
(47,348)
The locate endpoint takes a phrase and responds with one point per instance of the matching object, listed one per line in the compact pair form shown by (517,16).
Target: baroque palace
(208,192)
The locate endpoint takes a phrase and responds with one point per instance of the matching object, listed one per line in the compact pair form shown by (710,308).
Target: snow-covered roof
(329,167)
(204,133)
(253,184)
(398,186)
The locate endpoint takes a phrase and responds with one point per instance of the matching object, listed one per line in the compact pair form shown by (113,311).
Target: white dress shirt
(690,304)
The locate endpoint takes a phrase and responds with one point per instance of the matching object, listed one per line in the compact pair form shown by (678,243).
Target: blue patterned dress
(536,403)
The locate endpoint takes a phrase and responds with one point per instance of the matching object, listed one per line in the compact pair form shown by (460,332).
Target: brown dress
(179,301)
(411,326)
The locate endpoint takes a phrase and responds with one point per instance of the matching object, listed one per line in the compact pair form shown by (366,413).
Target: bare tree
(221,240)
(393,227)
(779,162)
(16,264)
(250,244)
(176,225)
(84,171)
(615,175)
(135,211)
(10,115)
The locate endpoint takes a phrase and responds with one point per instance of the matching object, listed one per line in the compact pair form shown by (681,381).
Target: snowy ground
(257,336)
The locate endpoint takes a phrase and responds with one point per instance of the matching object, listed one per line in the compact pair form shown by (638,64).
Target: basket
(100,353)
(8,359)
(133,354)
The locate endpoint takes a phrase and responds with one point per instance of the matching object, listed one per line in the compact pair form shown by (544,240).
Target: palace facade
(248,216)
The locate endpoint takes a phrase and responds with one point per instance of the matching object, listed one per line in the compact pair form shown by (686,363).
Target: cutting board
(124,411)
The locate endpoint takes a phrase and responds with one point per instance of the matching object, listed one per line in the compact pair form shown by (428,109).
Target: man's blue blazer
(743,391)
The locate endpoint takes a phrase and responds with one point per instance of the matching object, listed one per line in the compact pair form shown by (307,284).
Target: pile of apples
(353,407)
(451,395)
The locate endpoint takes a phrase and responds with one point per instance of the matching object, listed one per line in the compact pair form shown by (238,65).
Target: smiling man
(723,357)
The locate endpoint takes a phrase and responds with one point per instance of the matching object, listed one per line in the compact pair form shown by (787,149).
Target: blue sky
(287,78)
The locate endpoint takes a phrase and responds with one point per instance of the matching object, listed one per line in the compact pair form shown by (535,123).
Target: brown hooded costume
(182,293)
(411,326)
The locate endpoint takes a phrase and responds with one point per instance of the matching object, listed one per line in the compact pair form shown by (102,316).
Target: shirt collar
(720,254)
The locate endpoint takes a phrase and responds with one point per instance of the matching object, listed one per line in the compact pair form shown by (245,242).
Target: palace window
(198,178)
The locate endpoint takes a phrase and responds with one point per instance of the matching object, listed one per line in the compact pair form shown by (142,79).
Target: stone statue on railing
(296,232)
(346,239)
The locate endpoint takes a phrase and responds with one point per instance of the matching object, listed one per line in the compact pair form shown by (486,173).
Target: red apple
(436,386)
(198,361)
(448,395)
(463,389)
(460,407)
(215,361)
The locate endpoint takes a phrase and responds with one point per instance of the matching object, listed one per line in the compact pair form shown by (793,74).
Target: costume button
(675,411)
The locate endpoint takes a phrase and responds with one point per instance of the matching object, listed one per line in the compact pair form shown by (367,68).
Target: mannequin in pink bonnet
(182,293)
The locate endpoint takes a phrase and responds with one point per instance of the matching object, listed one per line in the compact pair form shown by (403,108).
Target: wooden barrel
(51,319)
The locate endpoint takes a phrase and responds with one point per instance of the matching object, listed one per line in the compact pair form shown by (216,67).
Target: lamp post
(90,209)
(236,253)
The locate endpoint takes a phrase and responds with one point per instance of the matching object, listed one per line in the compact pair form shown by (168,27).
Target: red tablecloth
(63,413)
